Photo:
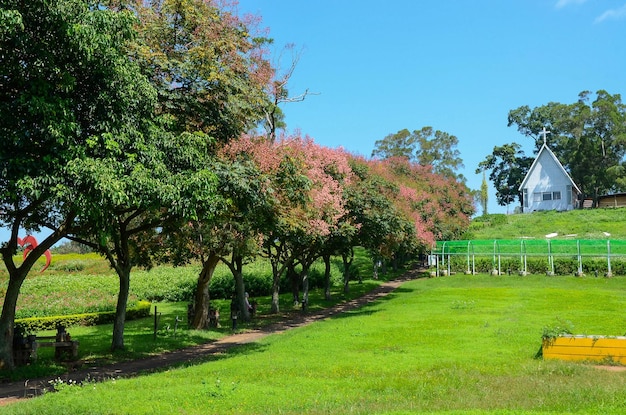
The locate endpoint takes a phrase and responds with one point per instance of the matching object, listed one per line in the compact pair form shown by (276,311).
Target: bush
(69,266)
(34,324)
(222,286)
(165,283)
(539,265)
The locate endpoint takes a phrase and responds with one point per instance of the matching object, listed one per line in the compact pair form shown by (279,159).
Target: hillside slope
(576,224)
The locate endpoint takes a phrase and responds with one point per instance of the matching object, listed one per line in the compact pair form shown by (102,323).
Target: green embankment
(579,224)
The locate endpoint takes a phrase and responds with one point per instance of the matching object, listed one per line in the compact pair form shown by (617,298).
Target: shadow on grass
(140,342)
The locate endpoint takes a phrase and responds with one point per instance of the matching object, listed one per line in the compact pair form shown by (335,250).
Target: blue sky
(456,65)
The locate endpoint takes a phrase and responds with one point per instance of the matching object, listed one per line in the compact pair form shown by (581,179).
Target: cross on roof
(544,133)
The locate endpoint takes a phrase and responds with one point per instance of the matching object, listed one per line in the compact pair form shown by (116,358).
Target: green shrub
(34,324)
(258,284)
(222,286)
(69,266)
(165,283)
(539,265)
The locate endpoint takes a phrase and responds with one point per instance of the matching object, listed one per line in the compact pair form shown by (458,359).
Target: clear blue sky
(456,65)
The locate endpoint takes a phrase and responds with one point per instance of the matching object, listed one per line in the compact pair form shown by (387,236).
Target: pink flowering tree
(405,207)
(307,183)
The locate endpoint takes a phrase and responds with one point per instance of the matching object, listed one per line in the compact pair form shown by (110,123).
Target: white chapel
(547,185)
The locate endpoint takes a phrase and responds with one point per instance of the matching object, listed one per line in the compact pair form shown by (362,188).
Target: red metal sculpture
(29,243)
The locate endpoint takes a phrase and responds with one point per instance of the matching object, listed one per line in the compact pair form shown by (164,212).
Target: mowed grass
(581,224)
(460,344)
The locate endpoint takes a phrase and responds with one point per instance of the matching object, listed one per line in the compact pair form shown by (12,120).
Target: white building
(547,186)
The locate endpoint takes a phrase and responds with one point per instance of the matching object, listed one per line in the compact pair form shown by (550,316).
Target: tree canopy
(69,97)
(588,136)
(508,166)
(426,147)
(123,128)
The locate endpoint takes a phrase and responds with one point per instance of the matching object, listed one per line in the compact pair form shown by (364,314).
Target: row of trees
(123,126)
(588,137)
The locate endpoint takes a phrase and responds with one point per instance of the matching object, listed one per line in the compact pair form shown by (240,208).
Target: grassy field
(83,283)
(462,344)
(581,224)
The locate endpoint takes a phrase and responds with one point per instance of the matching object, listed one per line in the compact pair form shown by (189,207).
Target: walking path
(10,392)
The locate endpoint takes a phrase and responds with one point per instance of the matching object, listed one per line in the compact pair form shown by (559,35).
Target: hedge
(33,324)
(562,265)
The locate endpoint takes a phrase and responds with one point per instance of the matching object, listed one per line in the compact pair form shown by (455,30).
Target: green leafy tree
(439,150)
(208,65)
(427,147)
(508,166)
(588,137)
(382,226)
(400,144)
(67,89)
(209,74)
(226,232)
(212,76)
(153,180)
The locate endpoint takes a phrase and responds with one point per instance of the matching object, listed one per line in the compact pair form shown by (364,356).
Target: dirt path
(10,392)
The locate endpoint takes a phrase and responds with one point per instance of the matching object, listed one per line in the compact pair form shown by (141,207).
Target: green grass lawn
(584,224)
(460,344)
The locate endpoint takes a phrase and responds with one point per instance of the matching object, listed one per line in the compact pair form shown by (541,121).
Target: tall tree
(153,180)
(484,194)
(227,231)
(588,137)
(400,144)
(67,86)
(508,166)
(210,67)
(427,147)
(439,150)
(209,72)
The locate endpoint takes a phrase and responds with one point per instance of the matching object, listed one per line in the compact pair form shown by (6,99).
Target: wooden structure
(586,348)
(612,201)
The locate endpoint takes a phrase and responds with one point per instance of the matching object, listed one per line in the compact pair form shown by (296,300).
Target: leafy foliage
(71,97)
(426,147)
(508,166)
(589,138)
(208,65)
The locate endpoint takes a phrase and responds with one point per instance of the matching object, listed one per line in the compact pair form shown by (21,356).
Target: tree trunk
(202,297)
(327,277)
(123,274)
(7,319)
(275,295)
(276,272)
(17,275)
(305,287)
(236,267)
(347,263)
(294,281)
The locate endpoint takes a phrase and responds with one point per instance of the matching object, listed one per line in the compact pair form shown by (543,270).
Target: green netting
(546,255)
(532,247)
